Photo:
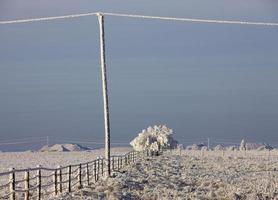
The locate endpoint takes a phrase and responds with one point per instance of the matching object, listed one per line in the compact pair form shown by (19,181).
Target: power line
(45,18)
(22,139)
(22,142)
(90,142)
(193,19)
(140,16)
(81,142)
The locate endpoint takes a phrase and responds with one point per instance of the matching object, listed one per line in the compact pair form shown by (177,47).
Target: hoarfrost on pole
(104,92)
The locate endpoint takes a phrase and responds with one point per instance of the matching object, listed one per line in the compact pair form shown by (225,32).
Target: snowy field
(25,160)
(28,159)
(175,175)
(192,175)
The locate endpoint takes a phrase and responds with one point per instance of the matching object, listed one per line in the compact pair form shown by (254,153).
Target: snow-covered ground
(192,175)
(175,175)
(27,159)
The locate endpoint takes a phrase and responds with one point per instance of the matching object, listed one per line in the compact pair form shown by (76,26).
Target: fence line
(40,181)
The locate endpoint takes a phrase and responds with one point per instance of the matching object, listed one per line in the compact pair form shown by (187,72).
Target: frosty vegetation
(192,175)
(154,138)
(175,175)
(242,146)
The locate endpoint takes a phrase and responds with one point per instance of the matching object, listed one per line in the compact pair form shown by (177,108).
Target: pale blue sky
(202,80)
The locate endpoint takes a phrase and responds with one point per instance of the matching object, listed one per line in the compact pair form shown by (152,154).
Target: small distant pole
(208,143)
(47,141)
(104,91)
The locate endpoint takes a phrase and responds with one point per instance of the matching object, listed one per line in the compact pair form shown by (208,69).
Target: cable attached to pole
(177,19)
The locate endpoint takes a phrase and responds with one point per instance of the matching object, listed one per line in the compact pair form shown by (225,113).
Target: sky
(202,80)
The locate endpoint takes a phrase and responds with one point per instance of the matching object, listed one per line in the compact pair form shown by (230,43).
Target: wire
(23,139)
(139,16)
(46,18)
(90,142)
(81,142)
(193,19)
(23,142)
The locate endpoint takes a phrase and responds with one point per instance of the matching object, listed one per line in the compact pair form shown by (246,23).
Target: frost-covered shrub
(154,138)
(204,148)
(265,147)
(254,146)
(242,146)
(232,148)
(219,147)
(195,146)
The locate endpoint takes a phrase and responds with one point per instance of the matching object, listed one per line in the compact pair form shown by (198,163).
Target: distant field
(21,160)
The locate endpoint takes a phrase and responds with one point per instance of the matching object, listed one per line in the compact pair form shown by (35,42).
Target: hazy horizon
(201,80)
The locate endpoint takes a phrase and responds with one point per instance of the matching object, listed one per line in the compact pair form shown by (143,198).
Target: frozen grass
(251,175)
(24,160)
(192,175)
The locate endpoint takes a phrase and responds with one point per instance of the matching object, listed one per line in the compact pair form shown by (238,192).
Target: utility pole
(208,143)
(47,141)
(104,91)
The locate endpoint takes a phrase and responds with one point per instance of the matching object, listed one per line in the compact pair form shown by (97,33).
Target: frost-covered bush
(154,138)
(242,146)
(219,147)
(232,148)
(196,146)
(254,146)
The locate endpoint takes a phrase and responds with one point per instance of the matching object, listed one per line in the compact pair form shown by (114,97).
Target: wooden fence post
(69,178)
(98,167)
(39,182)
(80,176)
(27,184)
(55,182)
(87,174)
(12,184)
(95,170)
(102,166)
(133,156)
(60,177)
(118,162)
(113,163)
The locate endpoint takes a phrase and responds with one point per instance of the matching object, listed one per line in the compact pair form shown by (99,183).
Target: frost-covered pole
(104,92)
(208,143)
(47,141)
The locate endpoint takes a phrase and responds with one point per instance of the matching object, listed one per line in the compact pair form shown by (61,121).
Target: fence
(35,183)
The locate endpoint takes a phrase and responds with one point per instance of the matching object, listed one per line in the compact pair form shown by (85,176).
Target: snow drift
(154,138)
